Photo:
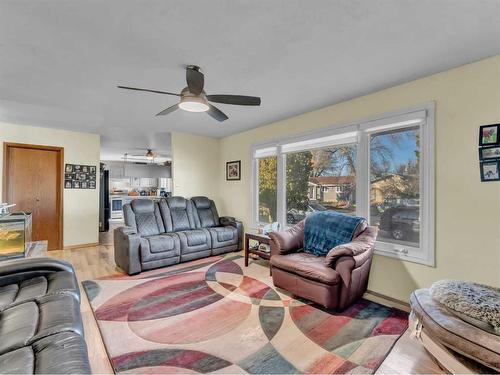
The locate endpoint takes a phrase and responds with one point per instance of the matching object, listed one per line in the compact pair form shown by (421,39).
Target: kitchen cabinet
(135,182)
(121,170)
(117,172)
(148,182)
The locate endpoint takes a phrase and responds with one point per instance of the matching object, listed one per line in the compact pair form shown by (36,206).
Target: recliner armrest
(22,269)
(127,246)
(231,221)
(287,241)
(228,220)
(127,230)
(359,248)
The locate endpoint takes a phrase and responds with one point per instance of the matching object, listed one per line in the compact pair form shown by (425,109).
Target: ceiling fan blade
(147,90)
(168,110)
(195,79)
(234,99)
(216,113)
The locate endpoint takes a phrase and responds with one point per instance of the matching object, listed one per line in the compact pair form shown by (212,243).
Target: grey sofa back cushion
(181,212)
(147,217)
(206,215)
(166,215)
(129,216)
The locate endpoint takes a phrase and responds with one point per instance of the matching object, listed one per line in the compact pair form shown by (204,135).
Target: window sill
(406,257)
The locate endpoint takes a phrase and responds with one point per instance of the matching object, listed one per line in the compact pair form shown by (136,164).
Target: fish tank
(15,235)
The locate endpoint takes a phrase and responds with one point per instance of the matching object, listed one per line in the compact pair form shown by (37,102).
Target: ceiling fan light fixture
(194,104)
(194,99)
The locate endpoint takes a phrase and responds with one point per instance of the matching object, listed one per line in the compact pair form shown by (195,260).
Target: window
(381,169)
(267,189)
(265,170)
(327,168)
(395,185)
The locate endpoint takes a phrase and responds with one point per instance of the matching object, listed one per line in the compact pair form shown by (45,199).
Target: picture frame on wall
(490,171)
(233,170)
(78,176)
(489,135)
(488,153)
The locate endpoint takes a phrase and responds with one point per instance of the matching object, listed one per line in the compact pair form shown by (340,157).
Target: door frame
(7,146)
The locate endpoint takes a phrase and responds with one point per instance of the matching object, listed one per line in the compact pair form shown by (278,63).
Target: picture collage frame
(77,176)
(489,152)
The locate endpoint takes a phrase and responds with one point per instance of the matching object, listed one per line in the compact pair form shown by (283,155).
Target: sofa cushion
(19,361)
(147,217)
(477,301)
(52,283)
(223,236)
(62,353)
(160,247)
(18,325)
(308,266)
(201,202)
(206,215)
(166,215)
(196,237)
(181,212)
(194,240)
(225,233)
(29,321)
(207,219)
(158,244)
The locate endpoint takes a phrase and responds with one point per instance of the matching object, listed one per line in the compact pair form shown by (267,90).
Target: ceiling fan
(150,155)
(194,99)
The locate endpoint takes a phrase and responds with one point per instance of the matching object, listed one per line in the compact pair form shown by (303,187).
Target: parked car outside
(401,222)
(293,215)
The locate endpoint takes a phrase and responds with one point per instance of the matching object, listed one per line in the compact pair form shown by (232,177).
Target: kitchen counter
(130,197)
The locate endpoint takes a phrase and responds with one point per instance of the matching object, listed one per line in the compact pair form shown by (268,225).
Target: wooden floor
(407,356)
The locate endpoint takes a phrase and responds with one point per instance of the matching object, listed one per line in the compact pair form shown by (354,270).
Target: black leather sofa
(40,322)
(172,230)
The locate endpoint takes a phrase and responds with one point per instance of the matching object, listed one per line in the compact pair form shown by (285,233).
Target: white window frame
(359,132)
(264,150)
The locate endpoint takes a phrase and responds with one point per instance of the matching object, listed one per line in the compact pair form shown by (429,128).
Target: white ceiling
(60,61)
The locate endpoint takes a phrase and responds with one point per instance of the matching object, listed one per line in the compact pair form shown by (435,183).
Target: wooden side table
(260,238)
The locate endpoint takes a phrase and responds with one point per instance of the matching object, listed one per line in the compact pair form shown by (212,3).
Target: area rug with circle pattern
(216,315)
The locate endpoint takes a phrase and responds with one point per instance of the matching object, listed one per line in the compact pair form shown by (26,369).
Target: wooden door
(33,181)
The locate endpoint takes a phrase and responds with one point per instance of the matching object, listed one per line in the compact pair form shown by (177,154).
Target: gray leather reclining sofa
(40,322)
(173,230)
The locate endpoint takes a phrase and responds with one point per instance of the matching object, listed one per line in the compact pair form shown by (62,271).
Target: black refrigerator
(104,201)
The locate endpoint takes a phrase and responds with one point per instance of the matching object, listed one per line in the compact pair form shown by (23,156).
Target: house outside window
(381,169)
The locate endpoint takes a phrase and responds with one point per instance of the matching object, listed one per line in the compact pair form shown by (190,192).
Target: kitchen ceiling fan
(150,155)
(194,99)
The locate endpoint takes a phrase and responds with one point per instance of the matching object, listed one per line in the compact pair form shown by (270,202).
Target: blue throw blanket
(326,229)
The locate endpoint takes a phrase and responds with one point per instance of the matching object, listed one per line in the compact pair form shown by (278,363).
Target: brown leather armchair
(334,281)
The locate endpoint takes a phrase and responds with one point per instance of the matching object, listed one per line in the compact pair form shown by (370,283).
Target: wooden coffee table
(260,238)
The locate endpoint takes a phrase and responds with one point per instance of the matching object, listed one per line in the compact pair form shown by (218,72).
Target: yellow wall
(467,211)
(195,166)
(81,207)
